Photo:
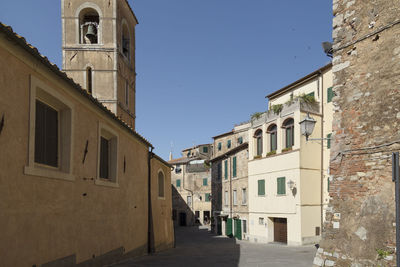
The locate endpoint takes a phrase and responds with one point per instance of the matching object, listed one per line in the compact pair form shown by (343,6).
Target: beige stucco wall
(44,219)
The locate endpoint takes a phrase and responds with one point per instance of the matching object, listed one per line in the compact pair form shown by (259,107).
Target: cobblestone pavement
(196,247)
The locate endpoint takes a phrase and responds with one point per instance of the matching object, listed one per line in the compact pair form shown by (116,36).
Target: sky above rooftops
(202,66)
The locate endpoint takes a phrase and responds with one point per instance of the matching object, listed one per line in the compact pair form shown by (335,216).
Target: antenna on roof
(170,152)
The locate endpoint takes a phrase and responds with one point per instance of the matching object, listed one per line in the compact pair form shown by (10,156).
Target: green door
(228,228)
(238,229)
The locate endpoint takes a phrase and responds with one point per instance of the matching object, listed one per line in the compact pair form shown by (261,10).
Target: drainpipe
(149,220)
(322,148)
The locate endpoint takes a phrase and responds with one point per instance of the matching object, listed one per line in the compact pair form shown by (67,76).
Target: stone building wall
(366,62)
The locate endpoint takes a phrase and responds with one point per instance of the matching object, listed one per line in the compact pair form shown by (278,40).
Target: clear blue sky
(202,66)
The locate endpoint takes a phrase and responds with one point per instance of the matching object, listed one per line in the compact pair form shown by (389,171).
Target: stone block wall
(360,219)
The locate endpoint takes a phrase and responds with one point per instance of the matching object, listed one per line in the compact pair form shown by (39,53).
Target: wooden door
(280,230)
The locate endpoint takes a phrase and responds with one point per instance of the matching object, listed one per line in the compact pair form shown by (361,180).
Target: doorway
(182,219)
(280,230)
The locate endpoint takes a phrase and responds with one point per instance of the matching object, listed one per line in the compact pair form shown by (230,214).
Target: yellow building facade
(79,186)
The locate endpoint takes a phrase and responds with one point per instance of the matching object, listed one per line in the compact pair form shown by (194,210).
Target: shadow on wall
(182,215)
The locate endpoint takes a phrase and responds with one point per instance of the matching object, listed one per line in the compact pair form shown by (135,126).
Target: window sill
(48,173)
(244,204)
(161,198)
(281,195)
(105,182)
(261,195)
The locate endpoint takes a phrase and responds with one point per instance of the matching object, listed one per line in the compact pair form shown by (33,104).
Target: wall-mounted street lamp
(307,127)
(291,184)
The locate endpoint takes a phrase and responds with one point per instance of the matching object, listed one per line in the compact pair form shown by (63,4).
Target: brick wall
(361,214)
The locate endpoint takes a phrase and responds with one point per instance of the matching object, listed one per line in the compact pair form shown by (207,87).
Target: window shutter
(205,181)
(329,140)
(234,167)
(261,187)
(311,94)
(104,158)
(219,170)
(281,190)
(330,94)
(226,169)
(219,146)
(207,197)
(178,183)
(273,141)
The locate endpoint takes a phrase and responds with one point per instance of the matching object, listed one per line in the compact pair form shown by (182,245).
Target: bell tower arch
(98,45)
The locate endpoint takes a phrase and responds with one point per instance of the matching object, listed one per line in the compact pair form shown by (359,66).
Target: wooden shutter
(207,197)
(219,146)
(273,141)
(204,181)
(178,183)
(330,94)
(234,167)
(259,146)
(219,170)
(261,187)
(329,140)
(228,230)
(226,169)
(238,229)
(281,186)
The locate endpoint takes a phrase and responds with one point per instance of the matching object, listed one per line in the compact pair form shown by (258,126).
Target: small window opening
(89,79)
(125,41)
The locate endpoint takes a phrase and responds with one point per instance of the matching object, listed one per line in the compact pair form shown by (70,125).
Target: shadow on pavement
(194,247)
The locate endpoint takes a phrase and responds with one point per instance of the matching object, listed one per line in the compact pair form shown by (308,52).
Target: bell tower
(98,44)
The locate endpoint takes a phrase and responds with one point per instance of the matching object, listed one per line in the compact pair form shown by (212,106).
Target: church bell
(91,32)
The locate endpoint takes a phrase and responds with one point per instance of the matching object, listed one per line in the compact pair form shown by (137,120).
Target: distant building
(288,178)
(79,185)
(230,183)
(191,180)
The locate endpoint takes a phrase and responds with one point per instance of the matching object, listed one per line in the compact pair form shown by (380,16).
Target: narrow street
(196,247)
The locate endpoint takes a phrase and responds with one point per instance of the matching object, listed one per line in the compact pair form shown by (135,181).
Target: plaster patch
(361,233)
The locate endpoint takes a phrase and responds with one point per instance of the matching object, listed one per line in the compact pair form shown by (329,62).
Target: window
(50,133)
(219,170)
(205,149)
(272,131)
(219,146)
(244,196)
(161,184)
(228,144)
(226,169)
(178,168)
(125,40)
(226,198)
(330,94)
(89,80)
(258,141)
(88,26)
(178,182)
(312,94)
(240,140)
(244,226)
(281,185)
(261,221)
(126,94)
(46,135)
(328,143)
(234,172)
(288,125)
(261,187)
(207,197)
(189,201)
(107,158)
(234,197)
(204,181)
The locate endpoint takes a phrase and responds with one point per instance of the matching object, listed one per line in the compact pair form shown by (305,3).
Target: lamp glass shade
(307,126)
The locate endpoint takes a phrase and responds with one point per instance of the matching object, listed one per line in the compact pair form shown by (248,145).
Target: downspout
(149,211)
(322,148)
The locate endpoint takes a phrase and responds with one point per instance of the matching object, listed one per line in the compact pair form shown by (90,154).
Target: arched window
(89,79)
(272,131)
(258,142)
(160,184)
(88,26)
(126,40)
(288,125)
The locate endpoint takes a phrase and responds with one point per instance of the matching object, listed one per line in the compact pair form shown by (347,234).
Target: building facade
(230,183)
(288,176)
(191,181)
(361,216)
(79,186)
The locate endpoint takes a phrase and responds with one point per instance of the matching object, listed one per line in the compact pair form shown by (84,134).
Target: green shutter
(261,187)
(238,229)
(329,140)
(178,183)
(240,140)
(204,181)
(259,146)
(330,94)
(281,185)
(219,146)
(226,169)
(219,170)
(311,94)
(329,184)
(273,141)
(234,167)
(229,144)
(228,228)
(207,197)
(205,149)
